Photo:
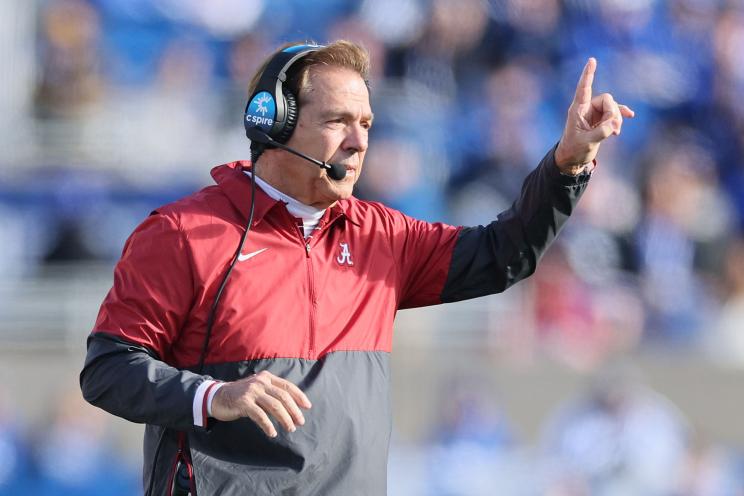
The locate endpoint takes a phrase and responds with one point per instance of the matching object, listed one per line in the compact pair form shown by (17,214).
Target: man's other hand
(590,121)
(260,397)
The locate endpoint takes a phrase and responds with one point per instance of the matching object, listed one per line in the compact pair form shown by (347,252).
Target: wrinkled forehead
(334,83)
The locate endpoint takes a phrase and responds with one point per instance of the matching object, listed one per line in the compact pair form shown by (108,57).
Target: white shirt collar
(310,215)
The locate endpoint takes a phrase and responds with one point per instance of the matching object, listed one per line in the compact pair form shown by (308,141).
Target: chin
(344,193)
(343,188)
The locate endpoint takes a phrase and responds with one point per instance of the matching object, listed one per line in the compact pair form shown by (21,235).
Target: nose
(356,138)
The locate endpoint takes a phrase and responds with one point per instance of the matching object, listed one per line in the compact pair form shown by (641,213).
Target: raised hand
(590,121)
(261,397)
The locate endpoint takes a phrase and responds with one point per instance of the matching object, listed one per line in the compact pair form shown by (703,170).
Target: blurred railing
(58,305)
(54,308)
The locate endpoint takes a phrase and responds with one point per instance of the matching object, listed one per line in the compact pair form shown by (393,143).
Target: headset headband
(272,108)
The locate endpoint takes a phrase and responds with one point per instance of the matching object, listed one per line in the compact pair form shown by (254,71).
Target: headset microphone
(335,171)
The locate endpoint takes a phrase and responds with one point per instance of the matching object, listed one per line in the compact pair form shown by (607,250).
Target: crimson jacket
(317,312)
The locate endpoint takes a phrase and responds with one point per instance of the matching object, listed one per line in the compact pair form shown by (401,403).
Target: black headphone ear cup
(291,121)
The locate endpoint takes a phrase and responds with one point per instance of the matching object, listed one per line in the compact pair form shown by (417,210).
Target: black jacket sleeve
(489,259)
(130,381)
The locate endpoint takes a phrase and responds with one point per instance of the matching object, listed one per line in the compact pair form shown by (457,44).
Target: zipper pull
(307,248)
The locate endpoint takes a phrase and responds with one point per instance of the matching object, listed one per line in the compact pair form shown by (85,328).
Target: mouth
(350,165)
(351,170)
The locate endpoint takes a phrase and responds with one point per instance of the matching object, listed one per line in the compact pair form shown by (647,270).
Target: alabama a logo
(344,256)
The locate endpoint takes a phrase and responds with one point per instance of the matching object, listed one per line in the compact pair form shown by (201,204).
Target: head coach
(250,324)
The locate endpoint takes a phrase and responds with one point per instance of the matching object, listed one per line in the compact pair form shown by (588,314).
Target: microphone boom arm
(335,171)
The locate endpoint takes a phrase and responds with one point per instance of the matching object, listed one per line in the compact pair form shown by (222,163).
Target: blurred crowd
(617,437)
(131,102)
(73,453)
(134,101)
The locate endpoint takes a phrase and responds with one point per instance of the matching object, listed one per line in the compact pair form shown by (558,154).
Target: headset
(272,108)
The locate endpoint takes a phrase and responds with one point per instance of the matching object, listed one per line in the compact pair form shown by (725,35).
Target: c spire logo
(261,111)
(261,103)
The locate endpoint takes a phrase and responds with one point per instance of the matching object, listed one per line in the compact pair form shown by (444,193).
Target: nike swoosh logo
(243,258)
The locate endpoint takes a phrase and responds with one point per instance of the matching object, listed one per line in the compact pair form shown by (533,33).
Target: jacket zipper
(181,458)
(311,286)
(313,301)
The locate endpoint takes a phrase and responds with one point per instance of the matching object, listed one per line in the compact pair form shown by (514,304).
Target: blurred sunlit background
(618,369)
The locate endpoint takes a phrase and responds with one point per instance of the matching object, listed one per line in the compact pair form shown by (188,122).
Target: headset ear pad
(290,104)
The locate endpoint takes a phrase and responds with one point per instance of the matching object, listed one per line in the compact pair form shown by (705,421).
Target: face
(333,122)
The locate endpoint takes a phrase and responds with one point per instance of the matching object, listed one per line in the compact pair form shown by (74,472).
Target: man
(266,370)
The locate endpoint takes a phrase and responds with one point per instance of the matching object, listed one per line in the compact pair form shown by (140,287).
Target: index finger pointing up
(584,88)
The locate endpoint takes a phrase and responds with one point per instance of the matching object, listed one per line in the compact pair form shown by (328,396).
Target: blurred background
(618,369)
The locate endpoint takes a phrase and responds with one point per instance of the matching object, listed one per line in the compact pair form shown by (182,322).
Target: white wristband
(210,396)
(201,407)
